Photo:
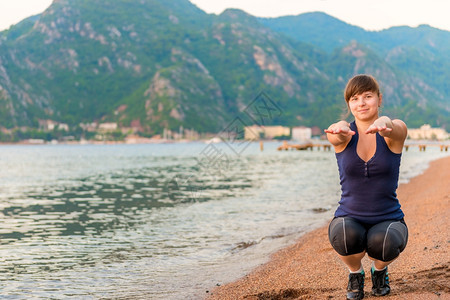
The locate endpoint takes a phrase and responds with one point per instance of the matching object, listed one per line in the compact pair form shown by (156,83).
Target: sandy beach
(310,269)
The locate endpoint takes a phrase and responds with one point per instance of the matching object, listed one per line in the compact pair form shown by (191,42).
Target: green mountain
(318,29)
(155,64)
(419,57)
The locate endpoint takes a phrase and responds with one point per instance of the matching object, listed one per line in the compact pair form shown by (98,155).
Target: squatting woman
(369,218)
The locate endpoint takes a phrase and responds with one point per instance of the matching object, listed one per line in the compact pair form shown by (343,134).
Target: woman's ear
(380,100)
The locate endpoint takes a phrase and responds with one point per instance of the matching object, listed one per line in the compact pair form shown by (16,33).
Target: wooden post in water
(261,146)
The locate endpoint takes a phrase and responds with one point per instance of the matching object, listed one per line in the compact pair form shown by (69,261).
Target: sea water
(157,221)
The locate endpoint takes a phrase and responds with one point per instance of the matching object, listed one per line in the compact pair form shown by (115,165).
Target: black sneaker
(380,282)
(355,287)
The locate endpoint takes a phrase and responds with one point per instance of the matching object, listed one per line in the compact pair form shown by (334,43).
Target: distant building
(91,127)
(107,126)
(425,132)
(49,125)
(274,131)
(301,133)
(252,132)
(256,132)
(63,126)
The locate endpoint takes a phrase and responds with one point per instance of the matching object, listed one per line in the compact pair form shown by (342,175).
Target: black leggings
(383,241)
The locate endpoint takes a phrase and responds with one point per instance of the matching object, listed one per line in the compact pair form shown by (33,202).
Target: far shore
(310,269)
(142,140)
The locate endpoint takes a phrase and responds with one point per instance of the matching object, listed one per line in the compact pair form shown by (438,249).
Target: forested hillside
(155,64)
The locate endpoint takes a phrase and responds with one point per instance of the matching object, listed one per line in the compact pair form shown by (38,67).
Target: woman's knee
(347,236)
(385,241)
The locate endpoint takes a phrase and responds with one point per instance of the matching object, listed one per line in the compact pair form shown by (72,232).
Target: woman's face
(364,106)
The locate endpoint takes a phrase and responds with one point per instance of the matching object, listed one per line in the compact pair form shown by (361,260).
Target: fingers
(339,130)
(374,129)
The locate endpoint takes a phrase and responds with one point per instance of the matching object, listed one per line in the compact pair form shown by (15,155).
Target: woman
(368,218)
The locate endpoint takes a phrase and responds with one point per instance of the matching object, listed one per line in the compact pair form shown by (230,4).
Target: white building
(49,125)
(63,126)
(301,133)
(91,127)
(256,132)
(425,132)
(107,126)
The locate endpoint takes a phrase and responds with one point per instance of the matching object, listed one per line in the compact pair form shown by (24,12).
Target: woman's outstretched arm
(395,132)
(339,134)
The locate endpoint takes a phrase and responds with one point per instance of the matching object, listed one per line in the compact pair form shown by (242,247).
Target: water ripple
(128,221)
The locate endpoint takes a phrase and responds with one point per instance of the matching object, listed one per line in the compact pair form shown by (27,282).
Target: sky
(368,14)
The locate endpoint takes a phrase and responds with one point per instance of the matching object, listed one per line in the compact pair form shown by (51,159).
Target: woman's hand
(339,134)
(383,125)
(341,127)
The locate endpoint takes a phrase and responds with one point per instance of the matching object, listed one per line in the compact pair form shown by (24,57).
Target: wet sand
(310,269)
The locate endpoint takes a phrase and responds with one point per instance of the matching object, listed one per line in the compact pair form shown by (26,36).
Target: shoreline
(142,140)
(310,269)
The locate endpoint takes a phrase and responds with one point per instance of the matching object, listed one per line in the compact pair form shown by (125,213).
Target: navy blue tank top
(369,188)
